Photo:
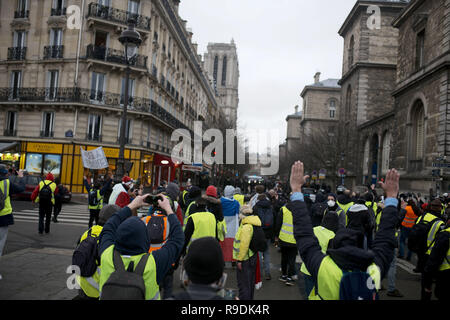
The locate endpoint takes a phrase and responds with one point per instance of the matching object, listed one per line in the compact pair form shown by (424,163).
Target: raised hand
(391,184)
(298,179)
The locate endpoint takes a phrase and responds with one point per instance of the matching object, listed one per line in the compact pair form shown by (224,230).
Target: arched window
(216,67)
(224,71)
(351,52)
(386,152)
(366,157)
(418,130)
(348,102)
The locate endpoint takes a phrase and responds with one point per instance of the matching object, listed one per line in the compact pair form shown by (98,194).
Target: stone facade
(222,66)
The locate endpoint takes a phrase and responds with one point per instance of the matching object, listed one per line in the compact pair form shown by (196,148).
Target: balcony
(10,133)
(115,56)
(94,137)
(127,140)
(58,12)
(21,14)
(113,15)
(46,134)
(53,52)
(17,53)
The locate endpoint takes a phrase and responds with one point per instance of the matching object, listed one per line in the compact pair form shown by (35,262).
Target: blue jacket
(130,237)
(345,256)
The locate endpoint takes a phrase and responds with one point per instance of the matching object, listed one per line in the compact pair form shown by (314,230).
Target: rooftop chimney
(317,77)
(296,109)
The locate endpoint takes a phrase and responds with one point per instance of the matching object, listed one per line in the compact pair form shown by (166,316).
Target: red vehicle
(31,182)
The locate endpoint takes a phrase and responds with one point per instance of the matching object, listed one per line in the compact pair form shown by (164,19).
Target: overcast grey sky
(281,45)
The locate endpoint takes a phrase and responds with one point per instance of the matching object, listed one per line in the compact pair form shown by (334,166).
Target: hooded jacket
(246,233)
(265,204)
(130,237)
(346,252)
(318,209)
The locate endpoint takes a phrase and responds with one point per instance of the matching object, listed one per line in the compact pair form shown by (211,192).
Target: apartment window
(47,124)
(19,40)
(386,152)
(351,52)
(348,102)
(133,9)
(127,130)
(94,127)
(16,80)
(97,87)
(58,8)
(332,108)
(22,9)
(105,3)
(11,122)
(18,51)
(224,71)
(55,48)
(420,49)
(130,91)
(52,84)
(55,37)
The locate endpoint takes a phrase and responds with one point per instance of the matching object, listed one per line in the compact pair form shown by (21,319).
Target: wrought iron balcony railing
(10,133)
(96,10)
(17,53)
(21,14)
(58,12)
(53,52)
(46,134)
(91,97)
(94,137)
(115,56)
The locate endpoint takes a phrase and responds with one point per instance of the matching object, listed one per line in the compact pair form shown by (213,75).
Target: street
(34,266)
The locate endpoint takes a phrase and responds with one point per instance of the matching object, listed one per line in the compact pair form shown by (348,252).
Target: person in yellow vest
(246,259)
(200,224)
(324,234)
(89,285)
(44,194)
(284,238)
(344,200)
(347,254)
(239,196)
(438,266)
(126,237)
(95,198)
(7,189)
(193,194)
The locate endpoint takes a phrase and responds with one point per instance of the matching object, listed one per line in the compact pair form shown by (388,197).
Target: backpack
(93,200)
(417,239)
(46,193)
(265,214)
(3,196)
(258,242)
(357,285)
(125,284)
(156,230)
(86,255)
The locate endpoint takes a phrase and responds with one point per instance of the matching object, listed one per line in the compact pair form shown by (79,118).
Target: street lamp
(131,39)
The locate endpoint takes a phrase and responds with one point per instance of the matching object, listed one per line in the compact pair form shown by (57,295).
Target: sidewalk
(36,274)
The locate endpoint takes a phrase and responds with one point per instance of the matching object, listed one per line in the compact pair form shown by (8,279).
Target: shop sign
(111,152)
(44,147)
(187,167)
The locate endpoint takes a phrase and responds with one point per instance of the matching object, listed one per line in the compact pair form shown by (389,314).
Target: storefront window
(34,163)
(42,164)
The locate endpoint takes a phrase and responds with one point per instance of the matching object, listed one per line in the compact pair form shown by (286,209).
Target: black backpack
(86,255)
(125,284)
(46,193)
(265,214)
(155,229)
(93,200)
(417,239)
(3,196)
(258,242)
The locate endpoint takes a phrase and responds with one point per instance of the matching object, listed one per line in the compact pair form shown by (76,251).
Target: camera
(153,200)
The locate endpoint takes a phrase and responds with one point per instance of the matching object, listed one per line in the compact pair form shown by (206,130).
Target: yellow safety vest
(237,242)
(99,206)
(428,217)
(287,228)
(205,225)
(446,263)
(329,280)
(221,230)
(239,198)
(324,236)
(90,285)
(151,286)
(186,214)
(52,186)
(5,187)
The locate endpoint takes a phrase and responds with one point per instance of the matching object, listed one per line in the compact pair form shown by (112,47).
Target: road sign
(341,171)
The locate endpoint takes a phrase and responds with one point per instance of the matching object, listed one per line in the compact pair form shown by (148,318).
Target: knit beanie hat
(204,263)
(173,190)
(211,191)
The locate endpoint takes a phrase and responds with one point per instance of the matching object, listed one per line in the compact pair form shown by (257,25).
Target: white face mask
(331,203)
